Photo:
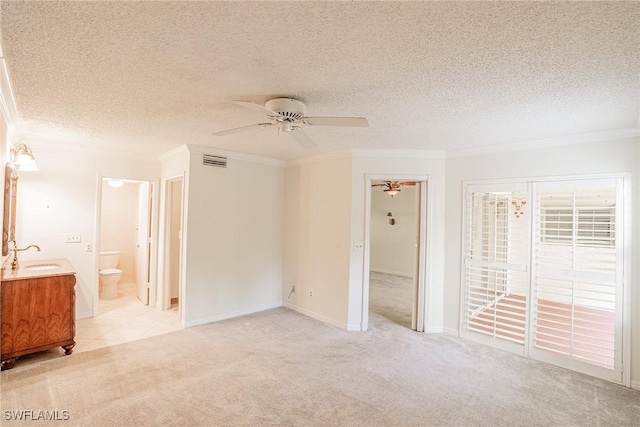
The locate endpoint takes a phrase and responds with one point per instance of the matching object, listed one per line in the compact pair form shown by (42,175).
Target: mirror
(9,218)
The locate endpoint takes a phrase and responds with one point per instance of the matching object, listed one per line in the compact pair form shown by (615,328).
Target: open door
(395,247)
(143,245)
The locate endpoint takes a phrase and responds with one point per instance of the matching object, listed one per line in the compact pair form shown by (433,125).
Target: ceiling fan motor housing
(287,108)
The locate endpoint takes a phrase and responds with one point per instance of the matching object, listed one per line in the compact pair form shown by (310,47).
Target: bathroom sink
(40,267)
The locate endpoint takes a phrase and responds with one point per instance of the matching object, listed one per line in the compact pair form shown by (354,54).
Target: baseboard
(231,315)
(322,318)
(432,329)
(84,315)
(395,273)
(451,331)
(635,385)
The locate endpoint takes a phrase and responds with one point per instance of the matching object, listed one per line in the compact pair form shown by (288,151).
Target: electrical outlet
(310,293)
(359,246)
(73,238)
(88,247)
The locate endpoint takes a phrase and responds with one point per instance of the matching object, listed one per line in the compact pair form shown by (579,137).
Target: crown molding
(235,155)
(87,149)
(609,135)
(8,101)
(173,152)
(369,154)
(331,155)
(399,154)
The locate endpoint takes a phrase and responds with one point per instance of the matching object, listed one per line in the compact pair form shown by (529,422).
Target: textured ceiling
(149,76)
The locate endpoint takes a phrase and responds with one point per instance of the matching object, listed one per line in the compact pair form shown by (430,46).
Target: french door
(543,271)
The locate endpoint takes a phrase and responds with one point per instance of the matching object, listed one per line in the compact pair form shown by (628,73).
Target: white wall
(119,224)
(393,248)
(592,158)
(234,238)
(398,165)
(62,198)
(317,238)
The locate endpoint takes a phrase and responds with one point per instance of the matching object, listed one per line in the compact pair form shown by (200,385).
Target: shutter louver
(576,281)
(496,265)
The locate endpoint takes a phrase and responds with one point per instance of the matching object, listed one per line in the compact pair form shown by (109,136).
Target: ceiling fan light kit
(393,187)
(288,114)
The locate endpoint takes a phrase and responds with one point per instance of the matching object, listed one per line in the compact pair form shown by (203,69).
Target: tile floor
(119,320)
(123,319)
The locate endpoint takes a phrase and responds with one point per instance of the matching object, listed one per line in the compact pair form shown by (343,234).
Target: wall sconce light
(392,191)
(392,221)
(22,158)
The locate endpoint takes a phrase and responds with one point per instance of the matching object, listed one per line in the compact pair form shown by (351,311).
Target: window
(543,271)
(591,215)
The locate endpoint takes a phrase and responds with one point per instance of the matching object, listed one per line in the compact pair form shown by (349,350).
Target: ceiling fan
(288,114)
(393,187)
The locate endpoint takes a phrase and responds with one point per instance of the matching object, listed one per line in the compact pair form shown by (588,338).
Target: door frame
(164,290)
(153,262)
(424,246)
(626,259)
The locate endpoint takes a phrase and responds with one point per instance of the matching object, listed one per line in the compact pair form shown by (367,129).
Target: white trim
(451,331)
(95,288)
(164,280)
(385,271)
(234,155)
(622,179)
(584,138)
(425,247)
(231,315)
(87,149)
(398,154)
(321,317)
(550,178)
(169,154)
(154,185)
(8,101)
(635,385)
(331,155)
(433,329)
(627,236)
(84,315)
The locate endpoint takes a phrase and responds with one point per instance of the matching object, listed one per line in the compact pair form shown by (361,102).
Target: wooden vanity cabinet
(37,314)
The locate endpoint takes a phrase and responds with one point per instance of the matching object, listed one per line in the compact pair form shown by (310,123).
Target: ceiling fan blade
(336,121)
(257,108)
(379,185)
(301,137)
(407,183)
(242,129)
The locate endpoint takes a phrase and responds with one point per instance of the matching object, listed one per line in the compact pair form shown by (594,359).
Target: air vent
(214,161)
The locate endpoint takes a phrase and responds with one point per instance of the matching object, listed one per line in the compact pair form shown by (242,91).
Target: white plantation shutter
(577,300)
(496,275)
(543,271)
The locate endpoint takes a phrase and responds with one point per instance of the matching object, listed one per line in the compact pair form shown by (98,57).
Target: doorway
(124,243)
(173,226)
(395,249)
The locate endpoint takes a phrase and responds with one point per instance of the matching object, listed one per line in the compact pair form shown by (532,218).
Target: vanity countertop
(38,268)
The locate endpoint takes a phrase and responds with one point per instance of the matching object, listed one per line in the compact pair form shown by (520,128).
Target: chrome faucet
(15,250)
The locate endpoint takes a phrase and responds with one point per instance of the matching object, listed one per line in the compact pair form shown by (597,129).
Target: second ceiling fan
(288,114)
(393,187)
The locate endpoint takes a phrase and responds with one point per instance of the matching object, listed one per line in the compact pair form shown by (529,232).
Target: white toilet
(109,274)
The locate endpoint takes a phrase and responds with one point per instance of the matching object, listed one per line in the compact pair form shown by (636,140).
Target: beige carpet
(391,297)
(281,368)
